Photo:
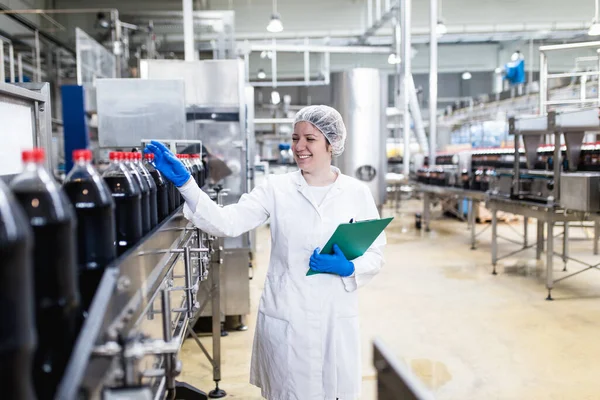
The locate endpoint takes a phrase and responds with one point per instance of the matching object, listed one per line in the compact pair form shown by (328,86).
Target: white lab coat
(307,341)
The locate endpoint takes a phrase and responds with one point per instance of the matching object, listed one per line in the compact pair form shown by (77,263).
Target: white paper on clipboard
(16,135)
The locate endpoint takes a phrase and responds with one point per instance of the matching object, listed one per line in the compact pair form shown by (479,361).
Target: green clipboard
(354,239)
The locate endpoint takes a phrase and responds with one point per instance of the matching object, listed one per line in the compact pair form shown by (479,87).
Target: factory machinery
(555,184)
(148,299)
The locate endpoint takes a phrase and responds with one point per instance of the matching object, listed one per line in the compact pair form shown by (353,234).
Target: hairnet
(329,122)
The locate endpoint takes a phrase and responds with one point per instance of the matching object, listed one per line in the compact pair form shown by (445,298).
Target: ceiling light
(275,98)
(392,59)
(261,74)
(594,29)
(440,29)
(466,76)
(275,24)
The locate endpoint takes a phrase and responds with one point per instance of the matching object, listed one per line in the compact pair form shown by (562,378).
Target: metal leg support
(167,336)
(565,253)
(472,205)
(525,231)
(217,393)
(494,239)
(596,234)
(540,240)
(426,210)
(549,258)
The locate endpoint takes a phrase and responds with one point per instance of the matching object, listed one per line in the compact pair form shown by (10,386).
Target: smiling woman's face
(311,150)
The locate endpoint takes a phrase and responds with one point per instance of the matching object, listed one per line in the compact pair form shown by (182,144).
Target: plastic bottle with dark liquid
(95,210)
(145,189)
(52,219)
(162,187)
(137,163)
(127,196)
(17,311)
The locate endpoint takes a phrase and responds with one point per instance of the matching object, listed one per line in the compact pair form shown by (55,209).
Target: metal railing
(544,101)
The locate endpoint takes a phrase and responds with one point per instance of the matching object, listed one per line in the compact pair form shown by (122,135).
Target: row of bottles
(55,245)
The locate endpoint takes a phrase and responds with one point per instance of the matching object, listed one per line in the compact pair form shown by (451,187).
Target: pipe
(582,45)
(543,82)
(11,55)
(369,13)
(433,80)
(38,59)
(20,67)
(188,30)
(2,77)
(415,111)
(274,64)
(406,43)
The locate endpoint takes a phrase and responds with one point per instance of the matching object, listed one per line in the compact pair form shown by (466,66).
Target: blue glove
(168,164)
(335,263)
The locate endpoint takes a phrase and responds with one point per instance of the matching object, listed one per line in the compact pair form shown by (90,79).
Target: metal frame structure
(36,96)
(571,125)
(546,215)
(544,102)
(108,355)
(430,192)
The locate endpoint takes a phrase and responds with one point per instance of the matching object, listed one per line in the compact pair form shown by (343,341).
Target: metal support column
(167,336)
(494,239)
(472,205)
(433,80)
(557,163)
(426,210)
(549,257)
(596,234)
(11,56)
(216,320)
(2,77)
(540,240)
(525,231)
(38,58)
(188,30)
(20,67)
(565,255)
(406,63)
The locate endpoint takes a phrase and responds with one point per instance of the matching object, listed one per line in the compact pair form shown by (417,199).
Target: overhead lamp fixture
(466,76)
(275,24)
(275,97)
(261,74)
(440,29)
(393,59)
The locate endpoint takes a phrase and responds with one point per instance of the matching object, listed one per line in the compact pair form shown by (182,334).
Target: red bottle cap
(180,156)
(138,156)
(195,155)
(85,155)
(36,155)
(149,156)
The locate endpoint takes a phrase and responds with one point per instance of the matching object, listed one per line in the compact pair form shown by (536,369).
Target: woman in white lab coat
(307,341)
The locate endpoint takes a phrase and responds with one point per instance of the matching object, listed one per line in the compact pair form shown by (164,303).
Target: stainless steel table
(548,216)
(474,197)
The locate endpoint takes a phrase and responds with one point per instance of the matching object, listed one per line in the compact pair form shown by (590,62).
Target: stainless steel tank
(360,95)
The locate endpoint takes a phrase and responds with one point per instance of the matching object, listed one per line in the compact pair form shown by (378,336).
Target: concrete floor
(465,333)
